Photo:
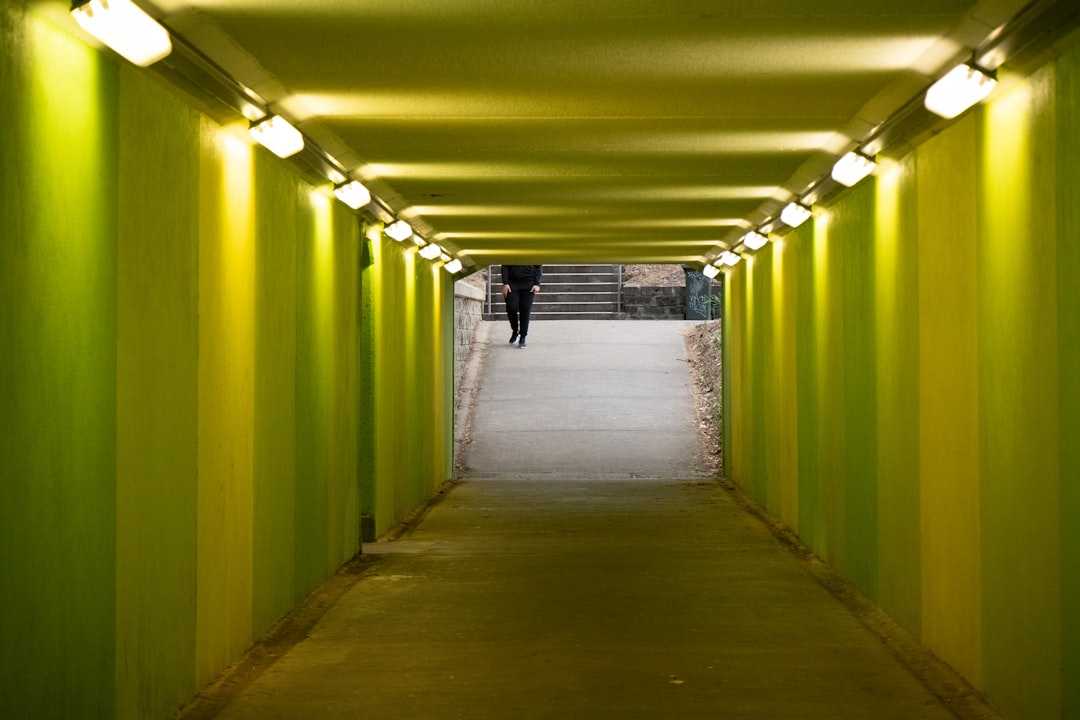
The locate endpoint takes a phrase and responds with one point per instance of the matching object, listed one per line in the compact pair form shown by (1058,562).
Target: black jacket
(522,277)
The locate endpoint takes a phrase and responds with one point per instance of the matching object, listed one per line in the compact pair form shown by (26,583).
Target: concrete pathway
(586,570)
(585,397)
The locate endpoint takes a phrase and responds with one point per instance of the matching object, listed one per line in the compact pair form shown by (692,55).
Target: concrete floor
(576,575)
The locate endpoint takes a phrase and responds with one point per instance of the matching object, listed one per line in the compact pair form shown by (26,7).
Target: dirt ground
(654,275)
(706,371)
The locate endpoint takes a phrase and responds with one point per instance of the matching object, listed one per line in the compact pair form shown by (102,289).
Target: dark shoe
(521,345)
(513,338)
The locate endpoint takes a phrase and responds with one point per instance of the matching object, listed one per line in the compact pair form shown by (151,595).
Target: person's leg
(525,303)
(512,304)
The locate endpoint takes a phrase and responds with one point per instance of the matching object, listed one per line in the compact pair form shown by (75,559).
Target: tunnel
(227,365)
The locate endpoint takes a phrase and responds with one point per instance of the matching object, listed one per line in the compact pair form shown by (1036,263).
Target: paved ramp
(585,397)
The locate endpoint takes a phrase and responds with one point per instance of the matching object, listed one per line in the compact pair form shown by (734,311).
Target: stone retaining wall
(468,311)
(642,302)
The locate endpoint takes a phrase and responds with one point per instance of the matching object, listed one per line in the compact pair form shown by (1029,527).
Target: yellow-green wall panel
(829,325)
(896,300)
(855,368)
(410,438)
(935,348)
(1068,263)
(58,226)
(274,589)
(765,485)
(1018,402)
(948,461)
(369,301)
(344,540)
(226,401)
(157,391)
(314,391)
(187,387)
(784,426)
(806,247)
(444,306)
(391,436)
(431,328)
(728,360)
(735,344)
(427,368)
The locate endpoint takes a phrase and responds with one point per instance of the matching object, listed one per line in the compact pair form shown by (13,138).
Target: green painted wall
(948,393)
(371,242)
(784,435)
(1018,420)
(412,406)
(58,365)
(1068,308)
(896,288)
(344,540)
(277,218)
(936,346)
(199,392)
(804,247)
(855,549)
(314,404)
(157,390)
(226,401)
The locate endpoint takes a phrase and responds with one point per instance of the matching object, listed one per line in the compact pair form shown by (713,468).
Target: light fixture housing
(399,230)
(124,27)
(710,271)
(729,258)
(278,135)
(959,89)
(852,168)
(755,240)
(453,267)
(430,251)
(794,214)
(353,194)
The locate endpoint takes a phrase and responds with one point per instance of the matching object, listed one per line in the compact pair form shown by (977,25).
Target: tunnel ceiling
(640,131)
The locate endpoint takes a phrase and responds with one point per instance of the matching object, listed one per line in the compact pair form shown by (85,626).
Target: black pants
(519,305)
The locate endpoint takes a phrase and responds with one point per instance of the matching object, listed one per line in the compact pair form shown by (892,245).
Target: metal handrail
(487,295)
(618,297)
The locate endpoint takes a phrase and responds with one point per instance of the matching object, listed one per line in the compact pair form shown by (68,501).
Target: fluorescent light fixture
(399,230)
(729,258)
(277,135)
(353,194)
(754,240)
(852,168)
(794,214)
(336,177)
(452,267)
(961,88)
(710,271)
(125,28)
(445,258)
(417,240)
(430,252)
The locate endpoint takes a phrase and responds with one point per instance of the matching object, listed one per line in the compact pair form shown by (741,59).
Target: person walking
(520,285)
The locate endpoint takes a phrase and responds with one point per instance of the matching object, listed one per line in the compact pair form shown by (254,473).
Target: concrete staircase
(570,292)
